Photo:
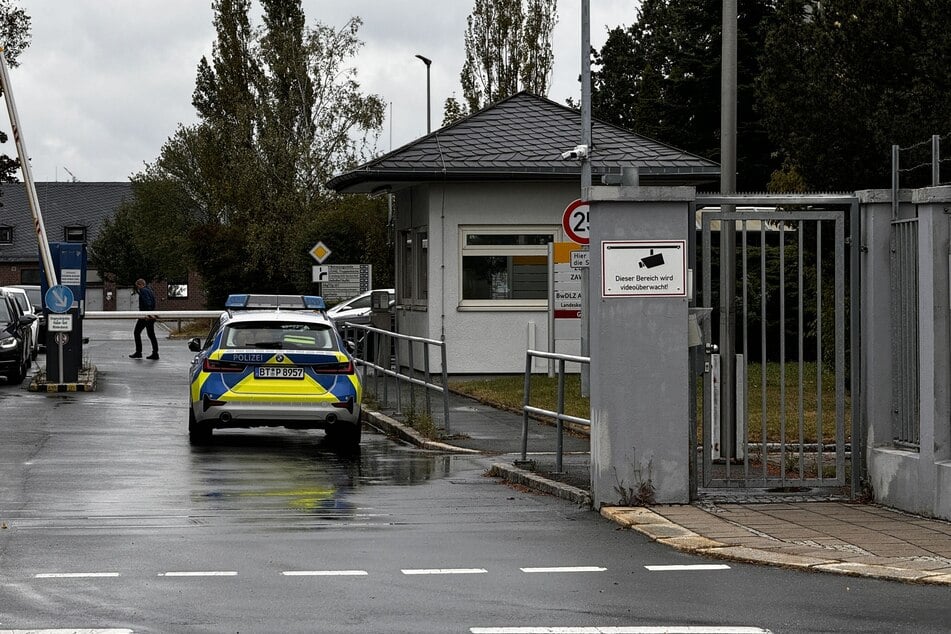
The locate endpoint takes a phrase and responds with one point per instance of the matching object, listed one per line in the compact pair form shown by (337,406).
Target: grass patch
(507,392)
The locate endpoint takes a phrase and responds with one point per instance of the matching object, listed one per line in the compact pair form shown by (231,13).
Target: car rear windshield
(280,336)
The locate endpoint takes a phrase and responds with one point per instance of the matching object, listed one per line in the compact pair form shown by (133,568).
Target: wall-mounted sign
(644,268)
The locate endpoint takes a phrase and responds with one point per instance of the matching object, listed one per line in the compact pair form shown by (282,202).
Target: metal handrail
(386,340)
(558,415)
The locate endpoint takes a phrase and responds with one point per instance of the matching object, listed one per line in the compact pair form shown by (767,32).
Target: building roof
(522,138)
(62,205)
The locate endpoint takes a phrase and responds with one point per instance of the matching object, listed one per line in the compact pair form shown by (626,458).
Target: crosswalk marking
(444,571)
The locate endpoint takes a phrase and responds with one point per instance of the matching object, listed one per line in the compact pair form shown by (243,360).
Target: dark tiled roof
(522,138)
(62,205)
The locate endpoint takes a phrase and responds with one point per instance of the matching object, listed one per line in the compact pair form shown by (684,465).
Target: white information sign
(70,277)
(644,268)
(59,323)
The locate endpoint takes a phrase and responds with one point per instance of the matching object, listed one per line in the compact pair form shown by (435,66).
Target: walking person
(146,302)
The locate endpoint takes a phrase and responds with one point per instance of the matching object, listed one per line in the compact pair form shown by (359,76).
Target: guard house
(475,205)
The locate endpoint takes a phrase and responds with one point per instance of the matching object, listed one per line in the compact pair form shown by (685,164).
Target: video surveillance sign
(644,268)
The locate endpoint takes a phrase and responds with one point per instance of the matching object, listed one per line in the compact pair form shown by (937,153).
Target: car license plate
(278,372)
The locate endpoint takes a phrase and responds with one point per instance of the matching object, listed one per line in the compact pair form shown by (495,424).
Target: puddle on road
(282,469)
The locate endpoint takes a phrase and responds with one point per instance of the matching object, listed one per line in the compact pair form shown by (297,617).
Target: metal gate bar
(904,287)
(791,459)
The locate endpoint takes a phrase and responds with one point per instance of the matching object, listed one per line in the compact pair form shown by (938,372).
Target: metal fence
(905,378)
(559,415)
(390,354)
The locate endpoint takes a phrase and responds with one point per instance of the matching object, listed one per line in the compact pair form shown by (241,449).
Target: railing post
(559,424)
(396,375)
(526,399)
(445,387)
(429,408)
(412,374)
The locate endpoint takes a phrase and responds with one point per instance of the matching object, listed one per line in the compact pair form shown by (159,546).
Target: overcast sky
(105,82)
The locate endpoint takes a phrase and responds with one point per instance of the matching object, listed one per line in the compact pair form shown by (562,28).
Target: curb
(506,472)
(88,381)
(662,530)
(539,483)
(393,427)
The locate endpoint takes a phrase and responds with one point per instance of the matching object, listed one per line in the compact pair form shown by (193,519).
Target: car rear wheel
(346,435)
(198,433)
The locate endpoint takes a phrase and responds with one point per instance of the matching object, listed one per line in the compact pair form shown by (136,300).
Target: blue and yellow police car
(274,360)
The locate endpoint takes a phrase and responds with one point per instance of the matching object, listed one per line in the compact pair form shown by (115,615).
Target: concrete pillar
(934,252)
(640,432)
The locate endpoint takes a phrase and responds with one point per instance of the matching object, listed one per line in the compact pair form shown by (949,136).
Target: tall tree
(660,77)
(508,49)
(843,80)
(279,111)
(15,36)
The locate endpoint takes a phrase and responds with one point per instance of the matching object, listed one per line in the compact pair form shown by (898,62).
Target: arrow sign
(59,298)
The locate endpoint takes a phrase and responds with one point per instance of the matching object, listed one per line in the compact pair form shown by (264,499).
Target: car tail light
(344,367)
(212,365)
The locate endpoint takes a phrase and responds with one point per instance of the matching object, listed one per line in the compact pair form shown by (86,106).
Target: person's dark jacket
(146,298)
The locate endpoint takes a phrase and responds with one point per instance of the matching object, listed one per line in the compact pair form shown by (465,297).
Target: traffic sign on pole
(320,252)
(575,221)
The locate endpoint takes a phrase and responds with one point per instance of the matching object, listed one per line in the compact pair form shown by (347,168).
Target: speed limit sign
(575,222)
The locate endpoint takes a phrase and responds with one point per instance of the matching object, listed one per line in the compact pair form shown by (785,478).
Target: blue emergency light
(246,301)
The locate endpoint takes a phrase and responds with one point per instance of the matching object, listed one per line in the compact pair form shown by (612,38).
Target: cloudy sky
(105,82)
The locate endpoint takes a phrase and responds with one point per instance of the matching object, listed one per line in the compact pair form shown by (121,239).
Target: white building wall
(479,340)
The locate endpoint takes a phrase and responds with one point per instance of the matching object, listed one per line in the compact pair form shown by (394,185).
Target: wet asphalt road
(112,520)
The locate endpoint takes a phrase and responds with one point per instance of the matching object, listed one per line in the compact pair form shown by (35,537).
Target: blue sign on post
(59,299)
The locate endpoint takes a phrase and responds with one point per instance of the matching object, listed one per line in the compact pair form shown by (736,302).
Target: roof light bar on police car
(250,301)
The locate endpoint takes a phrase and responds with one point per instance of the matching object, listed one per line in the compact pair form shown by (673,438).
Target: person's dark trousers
(149,326)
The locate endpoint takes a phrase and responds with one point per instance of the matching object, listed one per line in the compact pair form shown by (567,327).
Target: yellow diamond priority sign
(320,252)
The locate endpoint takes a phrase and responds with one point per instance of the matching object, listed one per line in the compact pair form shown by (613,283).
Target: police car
(274,360)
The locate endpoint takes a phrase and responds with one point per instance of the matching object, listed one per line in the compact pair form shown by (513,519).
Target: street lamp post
(428,62)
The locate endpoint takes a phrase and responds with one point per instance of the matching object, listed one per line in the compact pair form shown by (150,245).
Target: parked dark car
(34,292)
(15,356)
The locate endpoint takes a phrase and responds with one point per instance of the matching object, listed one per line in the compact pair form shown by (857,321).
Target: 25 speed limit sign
(575,222)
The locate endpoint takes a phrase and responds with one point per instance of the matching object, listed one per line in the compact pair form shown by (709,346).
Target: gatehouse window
(505,266)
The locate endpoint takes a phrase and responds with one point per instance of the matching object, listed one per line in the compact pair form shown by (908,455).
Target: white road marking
(74,575)
(325,573)
(566,569)
(688,567)
(690,629)
(69,631)
(445,571)
(207,573)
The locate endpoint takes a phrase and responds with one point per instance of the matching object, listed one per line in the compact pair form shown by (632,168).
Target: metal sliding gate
(795,343)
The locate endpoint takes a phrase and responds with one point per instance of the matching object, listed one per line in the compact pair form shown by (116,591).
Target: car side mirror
(194,344)
(27,319)
(350,345)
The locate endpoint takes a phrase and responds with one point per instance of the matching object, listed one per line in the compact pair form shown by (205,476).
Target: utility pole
(728,404)
(585,185)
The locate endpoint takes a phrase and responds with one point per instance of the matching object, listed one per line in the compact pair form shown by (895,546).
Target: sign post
(575,222)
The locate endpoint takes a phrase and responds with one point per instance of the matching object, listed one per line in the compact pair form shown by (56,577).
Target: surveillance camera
(578,154)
